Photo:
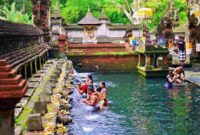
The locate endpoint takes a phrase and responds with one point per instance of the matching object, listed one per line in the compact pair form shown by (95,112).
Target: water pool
(139,106)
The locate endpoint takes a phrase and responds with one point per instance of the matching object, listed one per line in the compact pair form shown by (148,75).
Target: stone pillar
(62,45)
(35,61)
(7,121)
(25,72)
(31,68)
(155,60)
(40,62)
(147,61)
(139,60)
(12,89)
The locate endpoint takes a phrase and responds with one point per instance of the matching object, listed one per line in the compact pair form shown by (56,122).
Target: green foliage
(73,10)
(13,15)
(182,7)
(160,8)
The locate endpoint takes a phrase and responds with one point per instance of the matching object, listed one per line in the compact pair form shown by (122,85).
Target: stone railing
(19,44)
(15,36)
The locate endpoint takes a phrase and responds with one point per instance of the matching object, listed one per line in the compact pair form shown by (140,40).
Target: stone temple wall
(15,36)
(105,63)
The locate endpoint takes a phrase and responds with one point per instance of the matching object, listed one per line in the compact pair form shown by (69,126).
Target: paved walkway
(193,75)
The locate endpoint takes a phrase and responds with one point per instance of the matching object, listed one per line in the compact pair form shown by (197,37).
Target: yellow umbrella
(196,13)
(145,12)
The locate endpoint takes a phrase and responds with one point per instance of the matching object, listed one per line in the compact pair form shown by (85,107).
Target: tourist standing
(181,47)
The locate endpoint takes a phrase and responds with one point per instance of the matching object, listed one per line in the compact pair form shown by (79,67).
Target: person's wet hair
(90,87)
(99,89)
(90,77)
(103,83)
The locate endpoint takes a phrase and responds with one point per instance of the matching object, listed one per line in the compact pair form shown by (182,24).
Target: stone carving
(40,107)
(41,15)
(34,122)
(164,28)
(193,26)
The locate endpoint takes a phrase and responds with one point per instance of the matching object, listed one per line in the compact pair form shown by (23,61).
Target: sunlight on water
(87,129)
(92,117)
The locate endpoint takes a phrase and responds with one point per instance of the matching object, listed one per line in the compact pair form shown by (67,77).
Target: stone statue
(164,28)
(193,27)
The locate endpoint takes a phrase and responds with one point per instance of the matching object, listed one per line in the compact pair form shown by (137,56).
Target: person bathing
(102,95)
(179,74)
(170,79)
(83,87)
(92,98)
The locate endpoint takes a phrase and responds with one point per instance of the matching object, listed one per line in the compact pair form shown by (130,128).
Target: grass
(104,54)
(113,53)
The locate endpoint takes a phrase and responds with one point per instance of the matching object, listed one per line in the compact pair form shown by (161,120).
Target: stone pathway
(35,87)
(193,75)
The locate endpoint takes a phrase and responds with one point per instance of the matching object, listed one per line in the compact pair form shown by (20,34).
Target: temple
(91,29)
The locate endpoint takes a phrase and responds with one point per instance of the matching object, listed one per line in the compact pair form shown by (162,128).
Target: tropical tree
(158,6)
(13,15)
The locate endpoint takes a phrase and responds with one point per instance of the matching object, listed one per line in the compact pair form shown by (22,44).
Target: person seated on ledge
(83,87)
(92,97)
(179,74)
(170,80)
(102,94)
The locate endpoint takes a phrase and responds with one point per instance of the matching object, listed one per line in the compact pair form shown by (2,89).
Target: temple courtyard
(49,50)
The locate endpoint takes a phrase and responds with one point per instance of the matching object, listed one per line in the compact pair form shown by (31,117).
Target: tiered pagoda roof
(56,12)
(89,19)
(104,18)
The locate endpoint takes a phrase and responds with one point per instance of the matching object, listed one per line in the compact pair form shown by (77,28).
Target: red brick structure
(12,89)
(62,43)
(103,57)
(95,48)
(107,63)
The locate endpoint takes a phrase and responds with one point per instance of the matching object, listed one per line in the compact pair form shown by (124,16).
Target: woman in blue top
(170,80)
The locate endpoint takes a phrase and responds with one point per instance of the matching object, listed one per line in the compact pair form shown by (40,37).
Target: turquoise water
(140,107)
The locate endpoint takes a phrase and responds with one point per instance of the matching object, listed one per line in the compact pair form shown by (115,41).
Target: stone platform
(193,75)
(158,72)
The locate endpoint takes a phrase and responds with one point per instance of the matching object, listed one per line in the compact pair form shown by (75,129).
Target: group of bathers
(93,96)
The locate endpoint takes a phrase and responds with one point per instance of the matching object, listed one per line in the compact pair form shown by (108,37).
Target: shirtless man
(179,74)
(92,97)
